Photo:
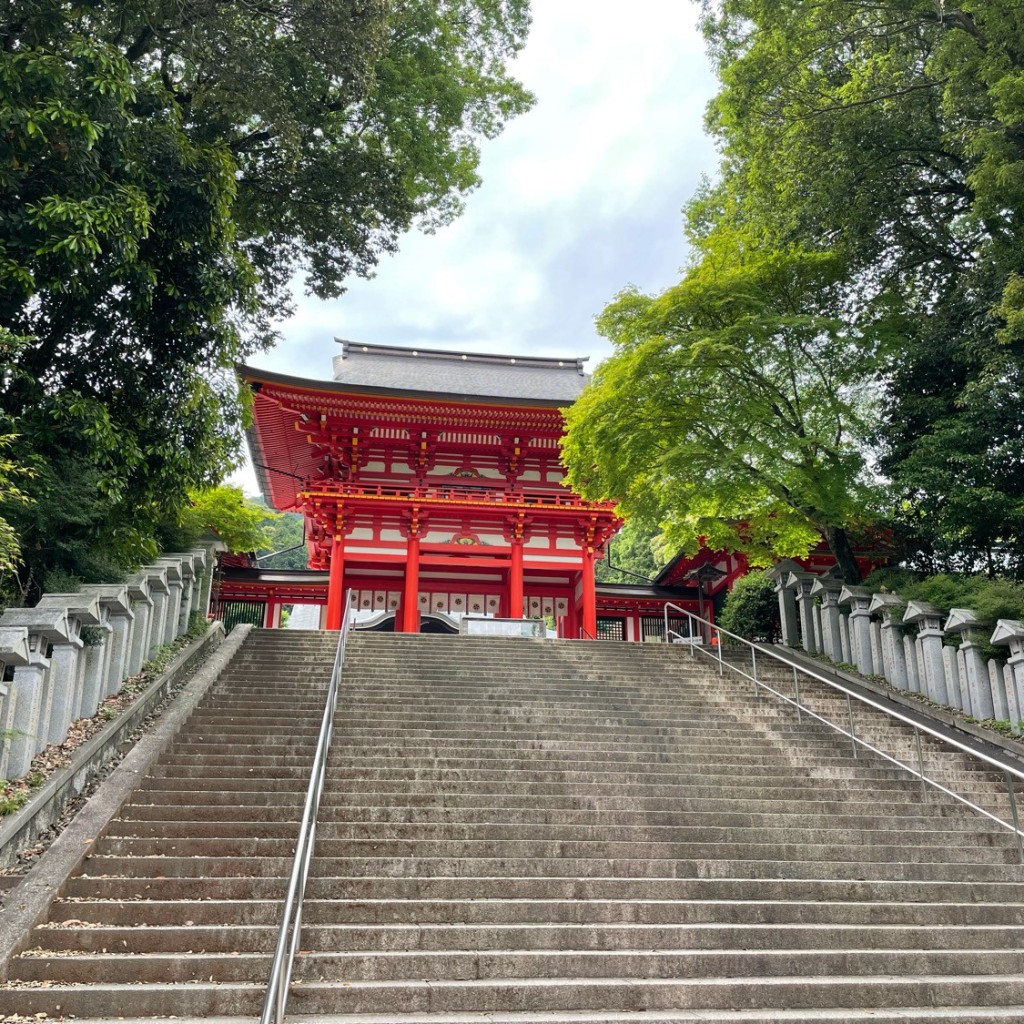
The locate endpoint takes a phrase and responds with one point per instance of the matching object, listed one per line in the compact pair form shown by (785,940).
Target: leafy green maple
(892,133)
(734,406)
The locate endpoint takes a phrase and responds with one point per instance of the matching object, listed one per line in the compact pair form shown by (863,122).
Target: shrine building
(431,482)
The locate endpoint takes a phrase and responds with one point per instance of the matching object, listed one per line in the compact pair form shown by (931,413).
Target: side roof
(444,372)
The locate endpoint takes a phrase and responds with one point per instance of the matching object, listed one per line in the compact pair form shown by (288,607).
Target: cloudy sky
(580,197)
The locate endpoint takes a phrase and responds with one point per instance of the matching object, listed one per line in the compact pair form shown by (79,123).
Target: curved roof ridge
(358,348)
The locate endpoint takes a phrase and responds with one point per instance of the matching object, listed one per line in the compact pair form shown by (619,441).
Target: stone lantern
(965,623)
(893,653)
(859,599)
(928,620)
(827,590)
(801,582)
(50,633)
(787,600)
(1010,633)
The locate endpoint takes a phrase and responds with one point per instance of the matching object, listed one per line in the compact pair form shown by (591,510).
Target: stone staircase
(520,830)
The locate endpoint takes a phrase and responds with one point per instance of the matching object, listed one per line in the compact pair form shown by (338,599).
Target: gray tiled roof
(437,371)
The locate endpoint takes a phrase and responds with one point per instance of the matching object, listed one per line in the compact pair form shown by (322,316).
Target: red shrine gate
(431,481)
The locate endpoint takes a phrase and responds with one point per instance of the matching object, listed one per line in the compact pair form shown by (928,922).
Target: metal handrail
(716,633)
(291,918)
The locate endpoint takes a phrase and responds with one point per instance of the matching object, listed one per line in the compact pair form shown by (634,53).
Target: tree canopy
(732,408)
(166,169)
(885,140)
(891,133)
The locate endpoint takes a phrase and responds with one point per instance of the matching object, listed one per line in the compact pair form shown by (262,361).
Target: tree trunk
(839,545)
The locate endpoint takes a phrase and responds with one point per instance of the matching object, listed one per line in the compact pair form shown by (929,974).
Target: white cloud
(580,197)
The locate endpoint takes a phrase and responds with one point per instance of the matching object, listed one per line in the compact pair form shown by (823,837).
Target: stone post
(72,665)
(142,612)
(787,600)
(913,664)
(174,587)
(802,582)
(156,576)
(894,662)
(1014,697)
(827,592)
(186,561)
(33,687)
(116,604)
(1010,632)
(14,653)
(859,600)
(928,620)
(201,569)
(964,623)
(212,548)
(844,629)
(956,681)
(1001,693)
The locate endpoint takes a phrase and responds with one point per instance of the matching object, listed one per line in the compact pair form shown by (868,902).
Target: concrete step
(534,831)
(495,912)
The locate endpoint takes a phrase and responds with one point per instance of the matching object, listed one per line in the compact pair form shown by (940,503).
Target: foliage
(92,636)
(284,531)
(734,408)
(751,609)
(14,479)
(165,170)
(891,134)
(240,523)
(636,548)
(989,599)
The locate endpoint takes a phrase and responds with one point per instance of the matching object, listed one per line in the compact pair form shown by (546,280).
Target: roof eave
(250,375)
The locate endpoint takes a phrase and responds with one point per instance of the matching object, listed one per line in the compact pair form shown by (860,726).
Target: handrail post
(853,733)
(721,667)
(796,694)
(920,763)
(753,668)
(1013,814)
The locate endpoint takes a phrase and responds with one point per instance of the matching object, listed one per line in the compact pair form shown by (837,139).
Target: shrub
(751,609)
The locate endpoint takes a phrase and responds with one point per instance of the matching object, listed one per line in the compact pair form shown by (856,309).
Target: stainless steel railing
(291,919)
(712,637)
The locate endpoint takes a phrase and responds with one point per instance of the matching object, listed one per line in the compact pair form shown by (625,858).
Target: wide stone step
(570,832)
(402,940)
(557,832)
(530,995)
(761,862)
(523,965)
(211,821)
(454,913)
(620,887)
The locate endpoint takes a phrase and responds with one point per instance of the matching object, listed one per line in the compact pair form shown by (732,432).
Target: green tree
(734,407)
(638,550)
(243,525)
(165,170)
(286,534)
(751,609)
(891,133)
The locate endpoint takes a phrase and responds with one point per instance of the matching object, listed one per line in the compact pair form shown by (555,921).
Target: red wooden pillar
(336,583)
(589,595)
(515,581)
(410,596)
(271,618)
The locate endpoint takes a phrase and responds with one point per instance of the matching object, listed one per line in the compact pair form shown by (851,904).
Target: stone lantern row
(870,631)
(59,678)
